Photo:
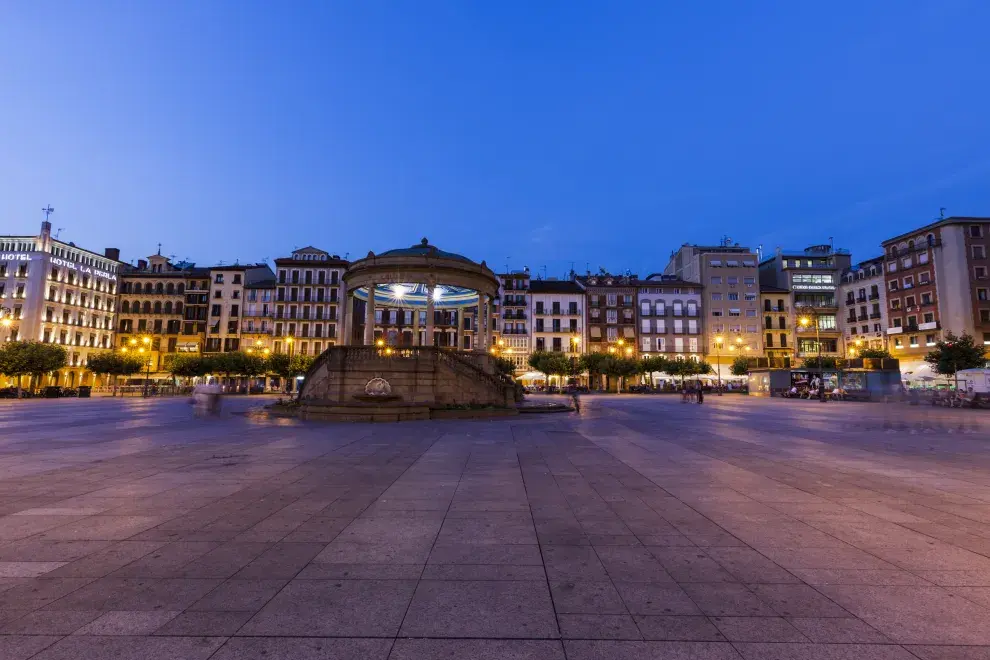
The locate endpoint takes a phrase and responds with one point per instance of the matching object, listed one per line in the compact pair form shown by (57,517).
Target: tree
(875,353)
(740,366)
(686,368)
(653,364)
(188,366)
(953,353)
(504,366)
(110,363)
(14,361)
(287,368)
(594,364)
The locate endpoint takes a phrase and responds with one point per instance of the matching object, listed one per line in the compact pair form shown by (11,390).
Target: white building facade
(59,293)
(557,309)
(669,317)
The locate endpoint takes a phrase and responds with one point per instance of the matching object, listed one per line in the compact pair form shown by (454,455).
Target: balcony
(874,296)
(875,315)
(931,325)
(861,317)
(851,319)
(850,301)
(775,308)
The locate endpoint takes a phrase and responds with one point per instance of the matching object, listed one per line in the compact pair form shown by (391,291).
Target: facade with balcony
(669,316)
(306,301)
(557,308)
(152,306)
(729,274)
(513,321)
(937,282)
(778,326)
(611,313)
(863,315)
(812,275)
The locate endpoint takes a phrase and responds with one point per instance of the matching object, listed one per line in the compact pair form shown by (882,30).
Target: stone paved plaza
(639,528)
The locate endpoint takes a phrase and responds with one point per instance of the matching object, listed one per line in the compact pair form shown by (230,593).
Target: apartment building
(557,310)
(812,276)
(513,321)
(729,273)
(308,301)
(57,292)
(778,329)
(152,307)
(936,282)
(227,288)
(611,313)
(669,317)
(863,321)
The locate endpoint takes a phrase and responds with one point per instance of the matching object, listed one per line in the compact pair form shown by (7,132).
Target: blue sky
(603,133)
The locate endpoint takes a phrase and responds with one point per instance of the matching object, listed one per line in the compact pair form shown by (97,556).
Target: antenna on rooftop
(58,231)
(941,213)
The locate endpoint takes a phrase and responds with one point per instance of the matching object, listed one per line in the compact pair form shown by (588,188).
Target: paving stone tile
(39,592)
(632,564)
(824,576)
(691,565)
(655,599)
(101,528)
(28,569)
(833,630)
(365,608)
(22,647)
(37,550)
(237,595)
(460,553)
(678,628)
(757,629)
(128,623)
(488,529)
(573,562)
(748,565)
(607,650)
(586,597)
(951,652)
(481,572)
(476,649)
(915,615)
(598,626)
(309,648)
(283,560)
(797,600)
(727,599)
(787,651)
(503,609)
(398,552)
(210,624)
(77,647)
(59,622)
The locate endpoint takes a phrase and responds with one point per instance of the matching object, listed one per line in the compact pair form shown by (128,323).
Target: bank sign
(79,268)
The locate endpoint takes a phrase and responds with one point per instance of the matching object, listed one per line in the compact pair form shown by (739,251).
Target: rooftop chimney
(142,264)
(112,253)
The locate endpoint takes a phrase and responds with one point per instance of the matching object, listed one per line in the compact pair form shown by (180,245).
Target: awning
(596,332)
(629,332)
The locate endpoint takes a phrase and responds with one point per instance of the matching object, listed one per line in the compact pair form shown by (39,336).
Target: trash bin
(84,391)
(53,392)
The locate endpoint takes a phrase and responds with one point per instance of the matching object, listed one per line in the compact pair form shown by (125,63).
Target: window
(733,296)
(909,301)
(644,308)
(611,300)
(924,278)
(749,281)
(768,341)
(218,294)
(716,296)
(716,279)
(913,340)
(895,303)
(981,294)
(612,334)
(750,297)
(976,231)
(892,285)
(929,317)
(715,263)
(926,299)
(215,310)
(645,326)
(693,344)
(985,316)
(749,262)
(979,252)
(732,263)
(929,340)
(647,344)
(237,278)
(732,279)
(679,344)
(219,278)
(980,272)
(909,282)
(611,316)
(898,343)
(661,344)
(892,266)
(751,313)
(898,322)
(716,312)
(734,311)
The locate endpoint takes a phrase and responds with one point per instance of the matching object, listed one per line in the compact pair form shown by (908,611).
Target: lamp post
(805,322)
(5,319)
(719,339)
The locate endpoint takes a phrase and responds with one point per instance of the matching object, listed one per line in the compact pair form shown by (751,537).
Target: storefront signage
(15,256)
(813,287)
(95,272)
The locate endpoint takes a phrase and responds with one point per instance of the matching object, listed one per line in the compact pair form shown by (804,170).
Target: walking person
(701,393)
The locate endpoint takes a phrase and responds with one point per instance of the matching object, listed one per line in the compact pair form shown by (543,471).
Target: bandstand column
(348,320)
(369,316)
(415,337)
(429,316)
(483,322)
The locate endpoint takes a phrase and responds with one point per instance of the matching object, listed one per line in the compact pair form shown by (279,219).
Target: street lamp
(805,321)
(719,339)
(147,369)
(288,341)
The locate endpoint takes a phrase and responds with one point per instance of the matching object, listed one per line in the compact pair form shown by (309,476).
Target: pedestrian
(701,393)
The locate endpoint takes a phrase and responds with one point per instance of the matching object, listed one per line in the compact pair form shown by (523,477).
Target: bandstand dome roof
(424,249)
(415,296)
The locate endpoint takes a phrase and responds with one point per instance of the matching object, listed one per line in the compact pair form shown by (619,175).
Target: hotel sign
(95,272)
(15,256)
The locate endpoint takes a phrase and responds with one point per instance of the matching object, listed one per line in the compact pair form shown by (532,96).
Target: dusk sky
(527,133)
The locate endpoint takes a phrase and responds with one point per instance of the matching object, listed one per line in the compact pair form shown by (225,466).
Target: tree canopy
(874,354)
(740,366)
(953,354)
(114,364)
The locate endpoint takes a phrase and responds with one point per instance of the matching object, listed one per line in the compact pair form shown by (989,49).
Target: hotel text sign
(95,272)
(15,256)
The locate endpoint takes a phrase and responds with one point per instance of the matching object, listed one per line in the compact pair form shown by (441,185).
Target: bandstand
(422,296)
